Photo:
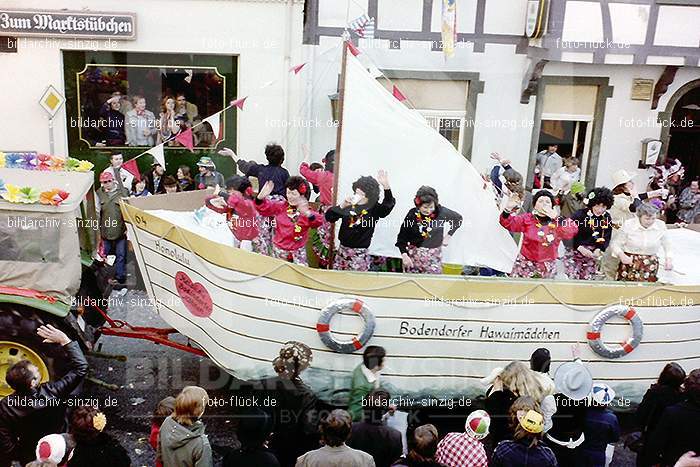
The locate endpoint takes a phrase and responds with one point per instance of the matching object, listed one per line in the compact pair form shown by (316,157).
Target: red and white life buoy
(594,333)
(357,342)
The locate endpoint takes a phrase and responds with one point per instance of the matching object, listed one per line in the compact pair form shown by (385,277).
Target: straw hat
(621,177)
(573,380)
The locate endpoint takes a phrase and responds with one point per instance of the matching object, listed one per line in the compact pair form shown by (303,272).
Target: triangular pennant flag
(297,68)
(239,102)
(131,167)
(158,155)
(353,50)
(215,122)
(398,94)
(185,138)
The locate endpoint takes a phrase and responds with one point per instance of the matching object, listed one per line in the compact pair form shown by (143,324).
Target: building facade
(598,78)
(211,51)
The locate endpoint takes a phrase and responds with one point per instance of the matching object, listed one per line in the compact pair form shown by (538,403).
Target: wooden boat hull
(442,333)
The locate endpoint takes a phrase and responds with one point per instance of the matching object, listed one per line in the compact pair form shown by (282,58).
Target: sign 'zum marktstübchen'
(76,24)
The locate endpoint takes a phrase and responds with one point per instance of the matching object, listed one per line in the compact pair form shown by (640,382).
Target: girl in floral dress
(359,214)
(593,237)
(422,235)
(292,219)
(542,231)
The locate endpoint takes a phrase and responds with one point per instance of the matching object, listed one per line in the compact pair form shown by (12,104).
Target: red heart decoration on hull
(194,296)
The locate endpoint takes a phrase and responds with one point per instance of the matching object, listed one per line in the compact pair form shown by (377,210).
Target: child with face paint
(422,234)
(293,219)
(359,214)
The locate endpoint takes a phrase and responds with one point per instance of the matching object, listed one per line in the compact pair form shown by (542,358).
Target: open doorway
(571,135)
(684,134)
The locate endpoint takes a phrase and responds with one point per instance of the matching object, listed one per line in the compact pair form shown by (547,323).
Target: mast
(336,162)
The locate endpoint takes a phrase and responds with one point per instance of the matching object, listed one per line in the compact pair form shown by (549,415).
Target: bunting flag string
(131,167)
(239,102)
(157,153)
(297,68)
(397,93)
(215,122)
(186,139)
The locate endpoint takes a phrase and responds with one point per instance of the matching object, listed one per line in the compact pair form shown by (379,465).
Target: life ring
(594,336)
(345,304)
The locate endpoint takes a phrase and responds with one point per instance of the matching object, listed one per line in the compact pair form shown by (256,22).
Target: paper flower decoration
(15,194)
(43,162)
(2,159)
(13,160)
(99,421)
(72,164)
(58,163)
(85,166)
(28,161)
(53,197)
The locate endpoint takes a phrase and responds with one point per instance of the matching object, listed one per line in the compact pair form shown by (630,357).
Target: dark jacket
(359,235)
(263,173)
(382,442)
(183,446)
(26,418)
(569,422)
(112,226)
(294,416)
(497,404)
(602,428)
(112,126)
(153,188)
(657,398)
(259,457)
(416,233)
(103,451)
(518,454)
(594,232)
(677,432)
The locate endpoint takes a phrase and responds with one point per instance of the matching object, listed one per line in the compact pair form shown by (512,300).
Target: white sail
(379,132)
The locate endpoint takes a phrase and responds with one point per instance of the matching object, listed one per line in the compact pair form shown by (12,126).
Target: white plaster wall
(255,31)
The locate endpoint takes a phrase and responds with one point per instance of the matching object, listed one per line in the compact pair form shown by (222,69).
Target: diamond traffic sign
(51,101)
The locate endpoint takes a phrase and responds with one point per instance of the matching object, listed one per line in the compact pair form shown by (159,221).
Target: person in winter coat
(602,428)
(525,449)
(665,393)
(677,431)
(94,447)
(182,442)
(25,415)
(372,436)
(254,428)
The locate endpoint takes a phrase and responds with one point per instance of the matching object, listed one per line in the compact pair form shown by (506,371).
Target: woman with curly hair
(293,219)
(593,236)
(422,234)
(93,445)
(359,214)
(542,231)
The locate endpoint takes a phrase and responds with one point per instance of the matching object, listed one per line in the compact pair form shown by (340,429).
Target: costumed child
(163,410)
(293,219)
(241,216)
(593,237)
(602,428)
(359,214)
(422,234)
(323,179)
(542,231)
